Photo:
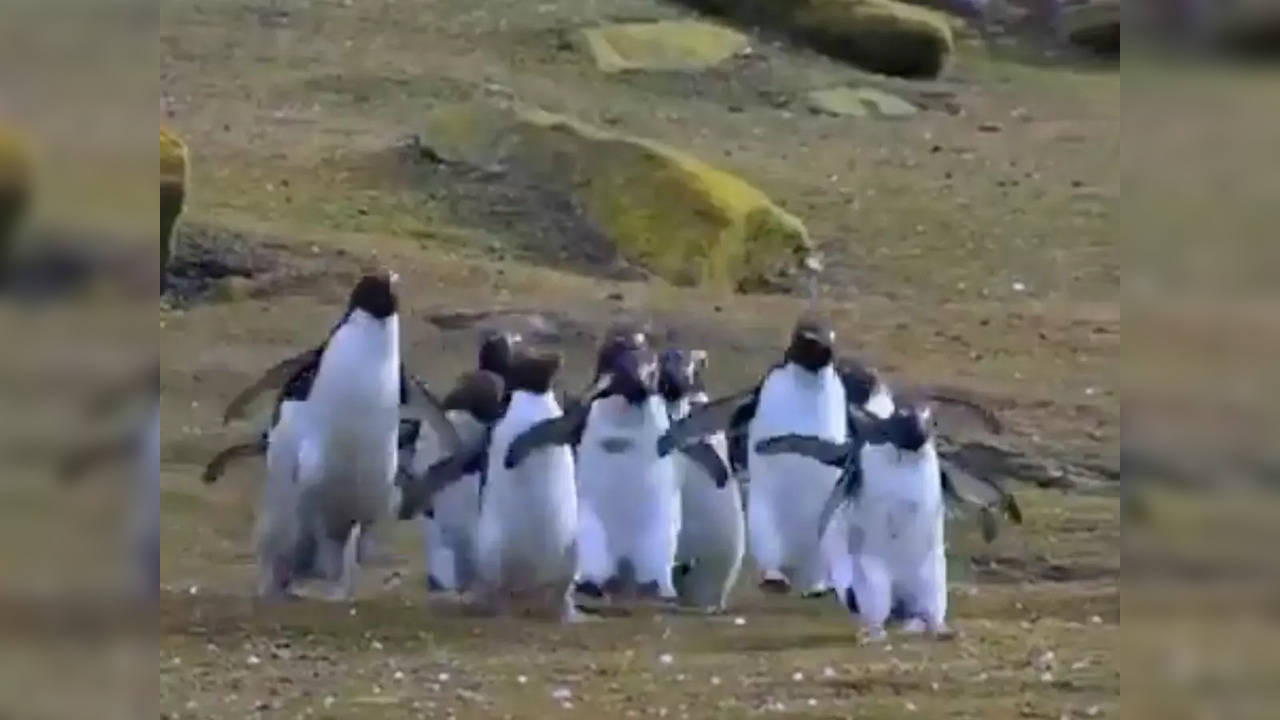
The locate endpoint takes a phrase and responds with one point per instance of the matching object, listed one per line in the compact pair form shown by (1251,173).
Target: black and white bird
(332,445)
(802,395)
(884,521)
(712,537)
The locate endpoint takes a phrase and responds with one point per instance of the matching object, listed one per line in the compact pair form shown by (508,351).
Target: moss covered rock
(661,208)
(676,45)
(884,36)
(173,190)
(15,187)
(1094,24)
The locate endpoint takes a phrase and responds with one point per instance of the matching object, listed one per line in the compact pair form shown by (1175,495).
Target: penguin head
(680,373)
(495,351)
(909,427)
(374,295)
(532,371)
(480,393)
(859,381)
(812,345)
(620,338)
(632,373)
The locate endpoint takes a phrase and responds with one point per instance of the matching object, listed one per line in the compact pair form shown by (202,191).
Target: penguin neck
(810,378)
(361,362)
(525,402)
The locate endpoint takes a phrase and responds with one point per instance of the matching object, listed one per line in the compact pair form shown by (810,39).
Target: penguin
(449,521)
(332,447)
(887,513)
(630,497)
(801,395)
(712,537)
(526,538)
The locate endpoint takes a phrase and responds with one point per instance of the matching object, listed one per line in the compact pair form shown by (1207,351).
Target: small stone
(666,658)
(193,590)
(739,621)
(443,677)
(828,672)
(910,706)
(990,127)
(522,679)
(253,660)
(1093,711)
(562,693)
(715,680)
(398,675)
(797,676)
(1095,620)
(812,702)
(1019,286)
(328,701)
(1043,662)
(1046,677)
(375,645)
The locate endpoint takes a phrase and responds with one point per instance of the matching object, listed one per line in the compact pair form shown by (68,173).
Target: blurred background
(955,183)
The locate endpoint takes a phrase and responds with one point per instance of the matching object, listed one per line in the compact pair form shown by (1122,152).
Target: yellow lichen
(675,45)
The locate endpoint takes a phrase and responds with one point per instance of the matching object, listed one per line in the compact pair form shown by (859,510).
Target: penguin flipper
(958,486)
(706,457)
(727,413)
(218,464)
(418,402)
(564,430)
(416,491)
(846,488)
(276,376)
(811,446)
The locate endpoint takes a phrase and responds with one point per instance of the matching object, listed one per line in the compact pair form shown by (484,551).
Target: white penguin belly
(712,533)
(899,509)
(528,514)
(633,493)
(787,492)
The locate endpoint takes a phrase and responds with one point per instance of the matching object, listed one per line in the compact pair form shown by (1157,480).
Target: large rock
(15,187)
(173,190)
(1094,24)
(663,209)
(880,35)
(676,45)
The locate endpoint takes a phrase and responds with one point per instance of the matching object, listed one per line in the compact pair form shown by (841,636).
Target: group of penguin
(631,490)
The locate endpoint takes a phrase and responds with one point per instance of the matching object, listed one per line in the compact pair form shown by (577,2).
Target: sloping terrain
(970,245)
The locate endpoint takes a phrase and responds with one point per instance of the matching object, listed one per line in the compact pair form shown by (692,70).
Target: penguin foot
(942,631)
(434,585)
(813,593)
(914,626)
(874,635)
(775,582)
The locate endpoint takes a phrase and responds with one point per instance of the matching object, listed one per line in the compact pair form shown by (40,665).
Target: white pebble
(399,675)
(352,612)
(375,645)
(253,660)
(666,658)
(797,676)
(522,679)
(812,702)
(910,706)
(828,672)
(562,693)
(443,677)
(193,590)
(1096,619)
(1019,286)
(328,701)
(566,705)
(715,680)
(739,621)
(1046,677)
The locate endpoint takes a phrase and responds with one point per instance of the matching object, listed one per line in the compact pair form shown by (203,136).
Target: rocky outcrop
(676,45)
(173,190)
(883,36)
(661,208)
